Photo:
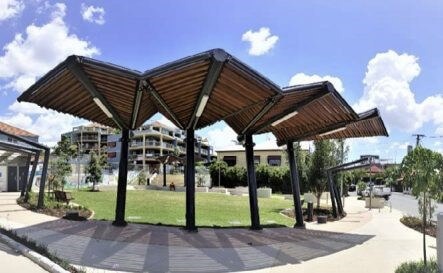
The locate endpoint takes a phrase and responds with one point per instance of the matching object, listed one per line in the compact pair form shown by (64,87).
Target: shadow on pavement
(153,248)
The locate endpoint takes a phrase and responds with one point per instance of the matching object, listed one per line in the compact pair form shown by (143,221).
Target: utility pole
(418,137)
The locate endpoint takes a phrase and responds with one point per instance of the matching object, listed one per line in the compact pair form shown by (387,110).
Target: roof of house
(15,130)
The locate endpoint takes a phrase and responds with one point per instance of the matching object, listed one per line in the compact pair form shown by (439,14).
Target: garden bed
(53,208)
(416,223)
(317,212)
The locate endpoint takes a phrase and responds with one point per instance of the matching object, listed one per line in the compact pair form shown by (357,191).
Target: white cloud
(261,41)
(165,121)
(302,78)
(30,55)
(387,86)
(222,137)
(93,14)
(10,8)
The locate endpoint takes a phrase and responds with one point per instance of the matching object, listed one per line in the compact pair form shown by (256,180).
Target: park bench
(62,196)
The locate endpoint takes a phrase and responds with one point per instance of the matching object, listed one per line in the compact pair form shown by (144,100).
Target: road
(408,204)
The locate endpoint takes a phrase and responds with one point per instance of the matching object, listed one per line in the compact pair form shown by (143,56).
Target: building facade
(152,140)
(266,154)
(88,138)
(13,165)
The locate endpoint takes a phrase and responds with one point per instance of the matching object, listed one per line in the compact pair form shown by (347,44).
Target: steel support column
(295,184)
(122,181)
(164,174)
(31,177)
(332,194)
(41,194)
(252,183)
(338,199)
(190,181)
(28,162)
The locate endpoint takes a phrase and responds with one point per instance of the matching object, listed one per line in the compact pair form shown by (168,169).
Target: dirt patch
(416,223)
(317,212)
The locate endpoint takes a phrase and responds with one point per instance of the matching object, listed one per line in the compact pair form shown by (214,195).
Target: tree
(60,167)
(422,170)
(95,168)
(217,171)
(322,158)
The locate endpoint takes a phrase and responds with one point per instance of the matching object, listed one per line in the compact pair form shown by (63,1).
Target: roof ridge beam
(265,109)
(151,89)
(136,103)
(296,107)
(80,74)
(218,59)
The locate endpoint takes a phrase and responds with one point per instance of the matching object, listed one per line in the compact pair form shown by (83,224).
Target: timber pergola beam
(215,68)
(136,104)
(98,98)
(295,107)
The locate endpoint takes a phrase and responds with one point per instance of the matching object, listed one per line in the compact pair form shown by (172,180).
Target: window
(274,160)
(230,160)
(112,155)
(256,159)
(112,144)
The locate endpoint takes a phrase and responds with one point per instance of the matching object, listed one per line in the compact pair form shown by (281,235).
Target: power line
(418,137)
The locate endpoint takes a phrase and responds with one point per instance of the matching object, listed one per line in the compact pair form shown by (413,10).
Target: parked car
(378,191)
(352,187)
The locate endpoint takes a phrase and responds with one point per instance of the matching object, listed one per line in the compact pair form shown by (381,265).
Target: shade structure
(303,108)
(368,124)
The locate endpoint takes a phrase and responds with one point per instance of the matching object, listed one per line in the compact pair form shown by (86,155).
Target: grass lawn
(168,208)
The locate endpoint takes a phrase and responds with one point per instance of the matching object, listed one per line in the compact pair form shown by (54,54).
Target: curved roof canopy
(192,92)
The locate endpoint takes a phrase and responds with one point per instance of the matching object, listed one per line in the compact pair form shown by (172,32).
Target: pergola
(30,148)
(195,92)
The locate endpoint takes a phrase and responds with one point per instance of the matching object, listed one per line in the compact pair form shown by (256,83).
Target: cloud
(302,78)
(10,9)
(30,55)
(261,41)
(93,14)
(165,121)
(387,86)
(222,137)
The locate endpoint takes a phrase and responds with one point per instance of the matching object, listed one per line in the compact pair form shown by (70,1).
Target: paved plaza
(375,240)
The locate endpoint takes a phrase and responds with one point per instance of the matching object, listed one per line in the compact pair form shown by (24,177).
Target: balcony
(152,143)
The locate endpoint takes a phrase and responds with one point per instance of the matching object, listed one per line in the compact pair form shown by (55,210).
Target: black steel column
(164,174)
(252,183)
(331,193)
(190,181)
(23,189)
(41,194)
(338,199)
(295,184)
(31,177)
(122,181)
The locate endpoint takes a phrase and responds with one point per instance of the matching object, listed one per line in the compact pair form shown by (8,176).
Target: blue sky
(384,53)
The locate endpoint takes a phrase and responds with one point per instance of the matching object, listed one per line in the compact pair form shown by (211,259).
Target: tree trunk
(424,228)
(318,199)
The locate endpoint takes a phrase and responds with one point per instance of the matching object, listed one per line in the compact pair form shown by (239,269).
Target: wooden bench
(62,196)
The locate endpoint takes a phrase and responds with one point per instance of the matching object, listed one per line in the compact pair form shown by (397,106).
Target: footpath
(364,241)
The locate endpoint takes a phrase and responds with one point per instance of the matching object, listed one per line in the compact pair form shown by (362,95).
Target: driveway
(408,205)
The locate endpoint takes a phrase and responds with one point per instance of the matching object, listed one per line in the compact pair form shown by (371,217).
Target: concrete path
(13,262)
(376,240)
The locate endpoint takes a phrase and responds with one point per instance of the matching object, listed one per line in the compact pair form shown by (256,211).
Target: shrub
(418,267)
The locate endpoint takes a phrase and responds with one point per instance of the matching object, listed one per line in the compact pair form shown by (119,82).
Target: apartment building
(153,140)
(91,137)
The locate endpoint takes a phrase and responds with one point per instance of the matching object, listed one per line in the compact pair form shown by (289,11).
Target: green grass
(168,208)
(418,267)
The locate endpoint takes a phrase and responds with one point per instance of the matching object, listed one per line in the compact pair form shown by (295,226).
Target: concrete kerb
(33,256)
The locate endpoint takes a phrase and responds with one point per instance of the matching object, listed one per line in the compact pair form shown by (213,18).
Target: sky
(384,54)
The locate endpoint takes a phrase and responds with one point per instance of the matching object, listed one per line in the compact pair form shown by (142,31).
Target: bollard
(310,211)
(440,240)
